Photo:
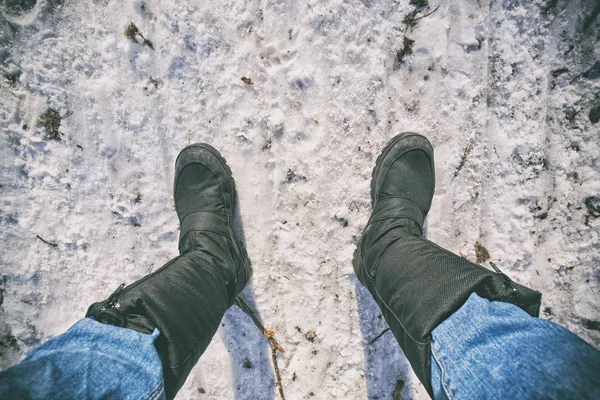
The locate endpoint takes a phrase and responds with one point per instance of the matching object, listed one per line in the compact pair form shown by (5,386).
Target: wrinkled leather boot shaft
(416,283)
(187,297)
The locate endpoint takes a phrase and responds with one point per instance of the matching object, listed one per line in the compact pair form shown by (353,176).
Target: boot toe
(203,182)
(405,169)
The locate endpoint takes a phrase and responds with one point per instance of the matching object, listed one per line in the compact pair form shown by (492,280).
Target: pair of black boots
(416,283)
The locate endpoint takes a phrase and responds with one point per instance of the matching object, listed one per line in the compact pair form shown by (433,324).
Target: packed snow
(98,97)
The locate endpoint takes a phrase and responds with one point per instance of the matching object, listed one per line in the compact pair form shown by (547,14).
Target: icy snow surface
(506,91)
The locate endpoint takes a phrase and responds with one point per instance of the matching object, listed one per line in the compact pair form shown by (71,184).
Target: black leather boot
(416,283)
(187,297)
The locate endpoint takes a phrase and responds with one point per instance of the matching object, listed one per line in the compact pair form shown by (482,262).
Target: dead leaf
(481,253)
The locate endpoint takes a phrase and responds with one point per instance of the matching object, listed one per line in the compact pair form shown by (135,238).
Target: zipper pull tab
(504,277)
(112,299)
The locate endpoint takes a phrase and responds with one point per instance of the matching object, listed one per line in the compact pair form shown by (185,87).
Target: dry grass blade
(47,242)
(406,50)
(426,15)
(378,336)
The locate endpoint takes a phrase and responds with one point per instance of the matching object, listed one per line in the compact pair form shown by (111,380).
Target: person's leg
(89,361)
(494,350)
(186,299)
(175,311)
(416,283)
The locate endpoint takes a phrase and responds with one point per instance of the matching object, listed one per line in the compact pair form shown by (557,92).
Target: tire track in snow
(568,245)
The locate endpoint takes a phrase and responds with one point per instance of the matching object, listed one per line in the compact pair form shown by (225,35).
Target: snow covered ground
(507,91)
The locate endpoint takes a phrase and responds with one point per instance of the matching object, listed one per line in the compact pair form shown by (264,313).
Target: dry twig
(275,347)
(267,333)
(277,375)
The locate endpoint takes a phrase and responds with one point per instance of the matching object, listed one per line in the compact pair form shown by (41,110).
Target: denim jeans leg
(89,361)
(496,350)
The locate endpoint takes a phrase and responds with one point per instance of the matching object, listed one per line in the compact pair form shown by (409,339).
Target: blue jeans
(484,350)
(89,361)
(494,350)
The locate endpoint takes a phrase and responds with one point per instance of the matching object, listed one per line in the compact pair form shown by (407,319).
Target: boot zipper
(113,298)
(504,277)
